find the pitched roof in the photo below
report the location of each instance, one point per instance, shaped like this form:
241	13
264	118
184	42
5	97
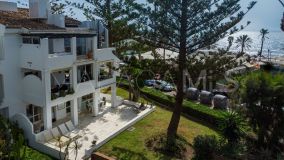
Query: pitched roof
20	19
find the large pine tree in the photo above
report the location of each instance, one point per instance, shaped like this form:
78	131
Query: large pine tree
185	26
119	16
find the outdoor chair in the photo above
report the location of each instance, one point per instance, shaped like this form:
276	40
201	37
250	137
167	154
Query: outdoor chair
60	140
67	133
71	127
49	139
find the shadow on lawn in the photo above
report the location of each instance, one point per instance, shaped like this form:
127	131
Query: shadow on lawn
124	154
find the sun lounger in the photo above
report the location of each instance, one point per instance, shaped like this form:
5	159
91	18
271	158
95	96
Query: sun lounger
60	140
71	127
67	133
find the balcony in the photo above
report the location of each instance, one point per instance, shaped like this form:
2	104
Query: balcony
106	74
84	49
60	55
46	53
61	85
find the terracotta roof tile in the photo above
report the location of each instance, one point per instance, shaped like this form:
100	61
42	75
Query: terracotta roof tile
20	19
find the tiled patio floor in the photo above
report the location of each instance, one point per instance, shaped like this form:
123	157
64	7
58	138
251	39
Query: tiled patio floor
104	127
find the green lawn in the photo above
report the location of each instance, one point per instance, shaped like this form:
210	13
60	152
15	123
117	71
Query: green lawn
131	144
32	154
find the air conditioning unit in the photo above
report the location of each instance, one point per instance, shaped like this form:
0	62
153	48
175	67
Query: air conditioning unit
39	9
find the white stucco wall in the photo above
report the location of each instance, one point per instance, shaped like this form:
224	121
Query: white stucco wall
58	45
60	111
33	91
11	71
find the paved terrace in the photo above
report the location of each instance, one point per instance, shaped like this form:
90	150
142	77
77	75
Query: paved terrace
104	127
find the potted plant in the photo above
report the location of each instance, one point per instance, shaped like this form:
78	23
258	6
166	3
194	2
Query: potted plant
62	93
89	54
53	96
71	91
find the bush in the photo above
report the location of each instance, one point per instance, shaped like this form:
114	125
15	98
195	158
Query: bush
198	111
205	147
233	128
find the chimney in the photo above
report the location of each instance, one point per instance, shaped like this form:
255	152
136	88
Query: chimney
39	9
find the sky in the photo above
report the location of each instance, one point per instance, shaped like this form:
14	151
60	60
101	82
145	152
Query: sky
266	14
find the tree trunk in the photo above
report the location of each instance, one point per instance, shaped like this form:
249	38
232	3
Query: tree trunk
261	47
109	22
173	126
164	55
243	47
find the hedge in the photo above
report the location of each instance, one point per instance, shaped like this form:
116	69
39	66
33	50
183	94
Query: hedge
199	111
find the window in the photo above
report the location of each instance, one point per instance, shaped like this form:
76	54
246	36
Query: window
81	46
85	73
68	107
34	113
31	40
67	44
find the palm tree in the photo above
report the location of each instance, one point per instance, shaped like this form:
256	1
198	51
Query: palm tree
244	42
230	42
263	33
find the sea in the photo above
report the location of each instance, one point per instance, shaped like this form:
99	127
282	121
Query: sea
274	43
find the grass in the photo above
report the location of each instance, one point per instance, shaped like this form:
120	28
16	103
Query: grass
131	144
32	154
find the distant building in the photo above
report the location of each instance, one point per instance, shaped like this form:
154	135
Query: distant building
159	53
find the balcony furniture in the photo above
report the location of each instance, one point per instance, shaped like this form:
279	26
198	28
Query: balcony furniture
67	133
64	87
71	127
135	105
55	89
55	141
62	140
104	100
192	94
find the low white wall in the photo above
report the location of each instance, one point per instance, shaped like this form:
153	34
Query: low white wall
27	127
60	111
32	56
105	54
106	82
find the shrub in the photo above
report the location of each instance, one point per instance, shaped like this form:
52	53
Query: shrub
198	111
233	128
205	147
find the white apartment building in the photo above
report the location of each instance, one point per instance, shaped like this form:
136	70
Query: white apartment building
52	67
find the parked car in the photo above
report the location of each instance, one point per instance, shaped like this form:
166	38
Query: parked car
168	87
158	84
164	86
221	92
150	82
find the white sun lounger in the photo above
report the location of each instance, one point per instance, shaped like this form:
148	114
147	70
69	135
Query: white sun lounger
71	127
67	133
62	140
